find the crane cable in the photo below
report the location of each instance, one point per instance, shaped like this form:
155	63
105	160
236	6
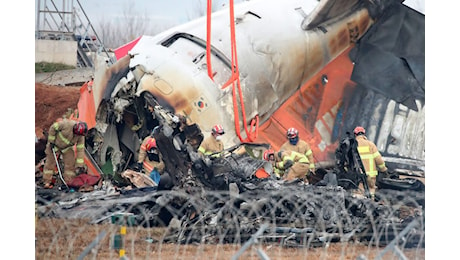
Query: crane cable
234	79
208	39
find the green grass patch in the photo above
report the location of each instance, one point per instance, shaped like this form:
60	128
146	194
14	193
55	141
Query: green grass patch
41	67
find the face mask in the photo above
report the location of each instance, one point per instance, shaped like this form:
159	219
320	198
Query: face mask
294	140
219	138
153	156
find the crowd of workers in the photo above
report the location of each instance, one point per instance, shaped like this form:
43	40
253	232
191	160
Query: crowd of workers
294	160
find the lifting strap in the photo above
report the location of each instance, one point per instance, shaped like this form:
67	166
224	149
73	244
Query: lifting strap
234	80
208	39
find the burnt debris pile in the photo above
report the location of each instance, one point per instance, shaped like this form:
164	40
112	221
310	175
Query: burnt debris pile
223	200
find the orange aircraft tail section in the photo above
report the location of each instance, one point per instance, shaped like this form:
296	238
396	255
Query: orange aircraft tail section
87	113
86	107
313	110
93	167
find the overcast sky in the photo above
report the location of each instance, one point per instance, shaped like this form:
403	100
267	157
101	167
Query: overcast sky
175	11
168	12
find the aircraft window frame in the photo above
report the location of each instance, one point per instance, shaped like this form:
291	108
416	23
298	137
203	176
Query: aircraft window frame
218	58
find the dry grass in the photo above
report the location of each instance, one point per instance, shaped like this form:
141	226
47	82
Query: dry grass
67	239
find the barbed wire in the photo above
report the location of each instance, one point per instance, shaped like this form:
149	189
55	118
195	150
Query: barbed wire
292	221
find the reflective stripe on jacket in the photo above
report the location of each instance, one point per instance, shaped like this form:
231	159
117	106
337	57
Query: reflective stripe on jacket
293	156
301	147
370	156
61	134
144	159
211	145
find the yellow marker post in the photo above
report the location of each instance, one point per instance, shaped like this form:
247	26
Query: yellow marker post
122	233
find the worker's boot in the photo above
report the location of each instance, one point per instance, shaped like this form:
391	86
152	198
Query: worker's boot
48	185
48	179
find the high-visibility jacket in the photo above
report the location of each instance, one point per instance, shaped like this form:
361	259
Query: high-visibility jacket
67	144
370	156
211	145
147	164
62	135
300	167
301	147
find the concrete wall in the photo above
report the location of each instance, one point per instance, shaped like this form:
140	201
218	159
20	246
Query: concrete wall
56	51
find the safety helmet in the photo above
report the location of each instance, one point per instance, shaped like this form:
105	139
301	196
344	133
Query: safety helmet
218	129
292	133
359	129
80	128
267	154
151	144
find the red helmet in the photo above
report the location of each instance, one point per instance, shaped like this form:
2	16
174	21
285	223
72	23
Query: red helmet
218	129
359	129
292	133
151	143
267	154
80	128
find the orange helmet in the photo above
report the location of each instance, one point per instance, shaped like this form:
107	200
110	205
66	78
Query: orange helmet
359	129
267	154
151	144
292	133
80	128
218	129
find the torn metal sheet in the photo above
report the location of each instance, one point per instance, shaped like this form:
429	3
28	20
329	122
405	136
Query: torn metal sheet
289	77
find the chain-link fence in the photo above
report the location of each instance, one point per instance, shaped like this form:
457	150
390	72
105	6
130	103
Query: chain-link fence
279	221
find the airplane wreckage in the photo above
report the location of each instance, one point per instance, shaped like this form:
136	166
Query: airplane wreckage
322	67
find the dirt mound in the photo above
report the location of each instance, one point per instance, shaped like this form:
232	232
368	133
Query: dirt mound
51	103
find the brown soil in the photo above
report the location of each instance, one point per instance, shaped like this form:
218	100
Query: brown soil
51	103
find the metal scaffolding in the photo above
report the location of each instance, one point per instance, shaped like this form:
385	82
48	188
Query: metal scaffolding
66	20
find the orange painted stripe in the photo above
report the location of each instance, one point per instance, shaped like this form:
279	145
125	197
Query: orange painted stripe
313	103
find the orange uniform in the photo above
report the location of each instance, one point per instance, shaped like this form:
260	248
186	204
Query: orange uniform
303	148
300	167
370	156
147	164
62	135
212	144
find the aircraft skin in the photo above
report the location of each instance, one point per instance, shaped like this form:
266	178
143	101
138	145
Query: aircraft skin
284	51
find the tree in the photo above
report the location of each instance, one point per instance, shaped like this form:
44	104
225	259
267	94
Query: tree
132	24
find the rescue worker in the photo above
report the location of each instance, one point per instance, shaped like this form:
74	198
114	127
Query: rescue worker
269	155
213	143
297	145
63	136
370	156
150	159
294	164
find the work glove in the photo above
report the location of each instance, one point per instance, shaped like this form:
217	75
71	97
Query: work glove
288	164
137	167
215	156
384	174
392	174
80	170
52	145
280	154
